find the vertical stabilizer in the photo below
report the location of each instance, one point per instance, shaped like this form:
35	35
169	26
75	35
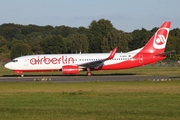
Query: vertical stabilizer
158	41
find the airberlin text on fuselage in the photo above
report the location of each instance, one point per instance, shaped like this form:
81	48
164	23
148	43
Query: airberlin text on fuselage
54	60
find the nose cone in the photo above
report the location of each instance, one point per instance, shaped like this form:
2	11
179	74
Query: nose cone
8	65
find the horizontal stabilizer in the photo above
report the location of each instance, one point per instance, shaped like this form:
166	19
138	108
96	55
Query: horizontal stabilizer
165	53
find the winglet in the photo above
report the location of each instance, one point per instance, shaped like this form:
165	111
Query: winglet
113	52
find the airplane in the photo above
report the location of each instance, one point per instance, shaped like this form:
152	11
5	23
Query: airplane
153	51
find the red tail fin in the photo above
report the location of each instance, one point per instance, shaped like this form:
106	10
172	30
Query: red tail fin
158	41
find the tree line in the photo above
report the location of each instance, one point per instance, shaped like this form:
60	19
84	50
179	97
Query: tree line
100	36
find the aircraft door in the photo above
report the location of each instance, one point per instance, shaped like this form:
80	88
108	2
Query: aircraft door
26	62
140	58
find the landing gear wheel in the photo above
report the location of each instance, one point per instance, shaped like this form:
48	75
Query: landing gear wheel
22	75
89	74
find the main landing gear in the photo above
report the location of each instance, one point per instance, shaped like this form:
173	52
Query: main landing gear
88	72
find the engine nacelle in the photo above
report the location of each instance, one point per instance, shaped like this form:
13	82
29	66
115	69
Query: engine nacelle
70	69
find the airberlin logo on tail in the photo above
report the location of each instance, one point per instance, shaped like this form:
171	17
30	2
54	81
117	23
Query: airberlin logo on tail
160	38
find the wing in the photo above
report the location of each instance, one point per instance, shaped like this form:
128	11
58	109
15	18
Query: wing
98	63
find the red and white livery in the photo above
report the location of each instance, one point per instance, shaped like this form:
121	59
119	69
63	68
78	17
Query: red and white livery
152	52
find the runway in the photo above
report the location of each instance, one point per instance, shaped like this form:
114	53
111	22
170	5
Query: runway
72	79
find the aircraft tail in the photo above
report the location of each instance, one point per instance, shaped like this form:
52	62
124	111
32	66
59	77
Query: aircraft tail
158	41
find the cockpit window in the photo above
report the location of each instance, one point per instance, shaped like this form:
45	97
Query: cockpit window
14	60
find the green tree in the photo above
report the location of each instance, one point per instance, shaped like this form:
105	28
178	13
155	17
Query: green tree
65	30
125	38
20	49
105	45
53	44
173	44
35	45
4	41
77	42
114	39
140	38
81	30
9	31
4	52
175	32
96	32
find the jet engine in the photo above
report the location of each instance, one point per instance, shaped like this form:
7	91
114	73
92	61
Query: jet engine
70	69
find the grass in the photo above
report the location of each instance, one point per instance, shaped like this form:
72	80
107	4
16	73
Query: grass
97	100
94	100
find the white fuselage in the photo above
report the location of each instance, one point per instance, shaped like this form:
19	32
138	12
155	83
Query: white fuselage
56	61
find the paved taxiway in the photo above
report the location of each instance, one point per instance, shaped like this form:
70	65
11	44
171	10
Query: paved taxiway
67	79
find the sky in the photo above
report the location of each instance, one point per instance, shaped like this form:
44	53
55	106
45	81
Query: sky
126	15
